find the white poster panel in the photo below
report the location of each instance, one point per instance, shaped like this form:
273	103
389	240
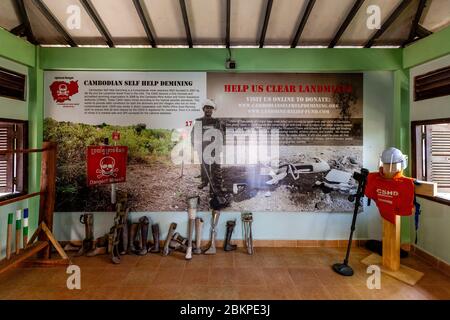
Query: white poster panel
162	100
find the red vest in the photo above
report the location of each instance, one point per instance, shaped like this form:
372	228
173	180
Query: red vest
393	196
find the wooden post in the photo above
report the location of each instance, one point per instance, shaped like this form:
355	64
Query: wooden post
48	187
391	244
18	229
9	235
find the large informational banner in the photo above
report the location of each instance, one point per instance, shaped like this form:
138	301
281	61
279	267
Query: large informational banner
269	142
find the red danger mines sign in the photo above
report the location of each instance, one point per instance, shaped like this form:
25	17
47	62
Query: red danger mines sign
106	164
116	135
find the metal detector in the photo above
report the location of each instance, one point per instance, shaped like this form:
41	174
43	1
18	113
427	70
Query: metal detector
343	268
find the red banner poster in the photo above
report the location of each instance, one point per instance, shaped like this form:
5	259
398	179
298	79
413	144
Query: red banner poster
106	164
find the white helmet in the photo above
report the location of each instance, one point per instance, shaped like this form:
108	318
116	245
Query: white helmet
393	155
209	102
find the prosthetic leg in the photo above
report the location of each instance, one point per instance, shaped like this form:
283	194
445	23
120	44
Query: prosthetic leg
214	221
88	242
118	234
247	219
192	212
227	246
155	233
143	223
179	243
198	235
100	247
177	246
169	237
124	233
132	237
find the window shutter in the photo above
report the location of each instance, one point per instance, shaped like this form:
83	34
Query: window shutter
21	159
432	84
12	84
6	160
440	157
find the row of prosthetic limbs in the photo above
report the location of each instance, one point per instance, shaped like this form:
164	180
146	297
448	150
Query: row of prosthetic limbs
175	242
132	238
124	237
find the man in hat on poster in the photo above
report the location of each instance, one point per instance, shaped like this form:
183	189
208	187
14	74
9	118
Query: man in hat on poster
210	171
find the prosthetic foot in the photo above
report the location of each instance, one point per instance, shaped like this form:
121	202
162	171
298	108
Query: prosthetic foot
71	247
101	247
227	246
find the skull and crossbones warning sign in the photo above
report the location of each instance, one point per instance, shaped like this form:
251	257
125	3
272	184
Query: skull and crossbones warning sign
106	164
107	168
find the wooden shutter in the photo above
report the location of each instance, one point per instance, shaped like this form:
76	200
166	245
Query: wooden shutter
440	156
21	160
7	160
432	84
12	84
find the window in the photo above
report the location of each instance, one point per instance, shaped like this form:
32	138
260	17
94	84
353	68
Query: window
431	153
12	84
13	166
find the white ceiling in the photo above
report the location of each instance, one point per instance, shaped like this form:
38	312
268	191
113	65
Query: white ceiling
207	22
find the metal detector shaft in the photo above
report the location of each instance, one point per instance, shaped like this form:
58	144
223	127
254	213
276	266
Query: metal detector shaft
362	179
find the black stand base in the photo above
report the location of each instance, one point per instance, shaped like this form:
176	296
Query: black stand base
343	269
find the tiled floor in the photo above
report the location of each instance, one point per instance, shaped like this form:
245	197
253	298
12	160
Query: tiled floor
271	273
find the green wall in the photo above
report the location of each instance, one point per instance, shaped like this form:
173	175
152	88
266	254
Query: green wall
248	60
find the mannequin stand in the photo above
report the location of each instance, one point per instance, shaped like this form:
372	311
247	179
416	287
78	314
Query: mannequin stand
389	263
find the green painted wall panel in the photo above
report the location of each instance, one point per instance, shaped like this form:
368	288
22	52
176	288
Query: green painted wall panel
258	60
36	121
16	49
429	48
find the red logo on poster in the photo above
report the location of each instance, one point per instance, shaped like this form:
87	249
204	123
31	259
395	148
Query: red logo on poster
116	135
106	164
62	91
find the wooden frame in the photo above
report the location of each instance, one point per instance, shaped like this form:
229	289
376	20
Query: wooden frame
47	201
414	167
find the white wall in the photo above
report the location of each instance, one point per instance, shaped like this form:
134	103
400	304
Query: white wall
434	227
378	104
